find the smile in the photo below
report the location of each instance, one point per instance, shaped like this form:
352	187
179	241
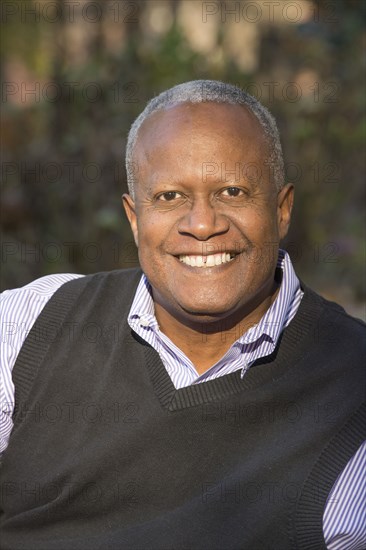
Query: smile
211	260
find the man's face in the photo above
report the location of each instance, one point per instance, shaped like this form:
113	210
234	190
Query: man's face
207	219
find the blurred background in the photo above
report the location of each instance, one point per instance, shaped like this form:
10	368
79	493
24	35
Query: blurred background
75	74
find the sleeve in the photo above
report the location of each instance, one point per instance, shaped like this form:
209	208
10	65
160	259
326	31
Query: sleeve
19	309
344	521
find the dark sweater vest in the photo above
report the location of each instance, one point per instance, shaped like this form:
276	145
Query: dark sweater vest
106	454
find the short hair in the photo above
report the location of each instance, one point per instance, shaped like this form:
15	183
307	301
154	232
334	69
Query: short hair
203	91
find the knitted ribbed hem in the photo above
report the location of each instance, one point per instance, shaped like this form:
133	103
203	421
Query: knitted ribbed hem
43	333
306	529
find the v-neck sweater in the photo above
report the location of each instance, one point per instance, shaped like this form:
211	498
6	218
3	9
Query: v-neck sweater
125	460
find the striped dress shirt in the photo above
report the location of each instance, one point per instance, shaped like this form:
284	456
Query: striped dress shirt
344	515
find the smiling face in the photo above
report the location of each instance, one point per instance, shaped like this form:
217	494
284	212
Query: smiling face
206	218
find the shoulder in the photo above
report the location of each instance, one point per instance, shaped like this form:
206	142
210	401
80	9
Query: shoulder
336	311
43	286
334	325
29	300
38	291
117	283
24	304
20	307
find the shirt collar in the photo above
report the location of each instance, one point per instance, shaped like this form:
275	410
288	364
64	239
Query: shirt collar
142	310
272	323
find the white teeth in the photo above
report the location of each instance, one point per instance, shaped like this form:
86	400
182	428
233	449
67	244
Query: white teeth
206	261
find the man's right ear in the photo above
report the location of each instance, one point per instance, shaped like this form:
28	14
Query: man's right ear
129	206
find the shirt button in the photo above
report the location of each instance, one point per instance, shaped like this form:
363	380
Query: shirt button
144	321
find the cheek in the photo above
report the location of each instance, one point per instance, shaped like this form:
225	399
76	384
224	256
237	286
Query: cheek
155	229
151	238
260	232
257	224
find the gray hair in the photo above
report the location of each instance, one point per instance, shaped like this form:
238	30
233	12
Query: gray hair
201	91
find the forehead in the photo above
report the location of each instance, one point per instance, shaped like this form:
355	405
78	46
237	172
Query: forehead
200	123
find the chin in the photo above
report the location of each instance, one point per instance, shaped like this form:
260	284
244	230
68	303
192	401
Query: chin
205	312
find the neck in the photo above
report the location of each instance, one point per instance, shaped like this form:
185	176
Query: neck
204	342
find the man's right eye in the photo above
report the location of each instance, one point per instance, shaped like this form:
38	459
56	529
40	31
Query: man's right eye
169	196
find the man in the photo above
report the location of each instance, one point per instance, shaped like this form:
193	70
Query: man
207	402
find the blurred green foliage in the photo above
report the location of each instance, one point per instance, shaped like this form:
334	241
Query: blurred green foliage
93	71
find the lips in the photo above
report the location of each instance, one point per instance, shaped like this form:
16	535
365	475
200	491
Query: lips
209	260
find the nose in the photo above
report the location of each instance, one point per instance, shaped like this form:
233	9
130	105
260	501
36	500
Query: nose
203	221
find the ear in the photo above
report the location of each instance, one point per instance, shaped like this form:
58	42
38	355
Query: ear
285	201
130	209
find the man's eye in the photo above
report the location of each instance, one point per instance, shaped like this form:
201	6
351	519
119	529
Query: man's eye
232	192
169	196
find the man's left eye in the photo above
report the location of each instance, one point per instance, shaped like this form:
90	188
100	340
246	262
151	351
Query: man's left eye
232	192
169	196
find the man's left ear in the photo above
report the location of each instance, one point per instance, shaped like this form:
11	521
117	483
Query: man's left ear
285	201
